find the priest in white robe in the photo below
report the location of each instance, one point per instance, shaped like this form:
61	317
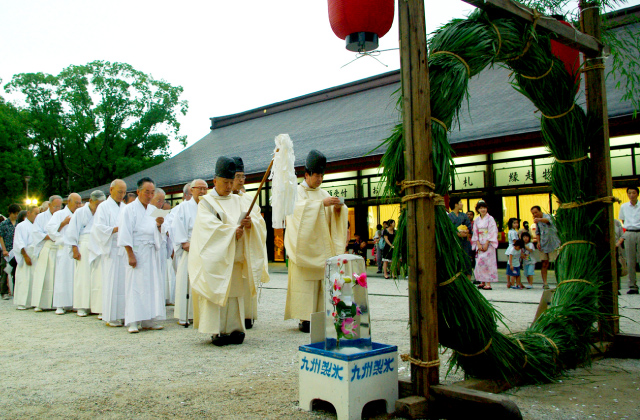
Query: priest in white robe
259	228
25	257
316	231
170	283
65	264
166	248
139	234
46	250
77	237
181	229
111	259
222	260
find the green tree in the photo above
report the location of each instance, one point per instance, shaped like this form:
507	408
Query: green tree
99	121
16	159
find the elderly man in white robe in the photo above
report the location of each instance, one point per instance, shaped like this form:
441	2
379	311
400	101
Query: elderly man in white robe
316	231
65	264
112	261
139	234
251	302
166	247
222	248
46	251
170	282
78	236
25	257
181	228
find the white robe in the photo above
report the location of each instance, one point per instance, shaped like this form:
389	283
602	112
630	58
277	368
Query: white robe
144	284
314	234
260	226
220	267
112	262
23	239
78	234
44	272
181	227
65	265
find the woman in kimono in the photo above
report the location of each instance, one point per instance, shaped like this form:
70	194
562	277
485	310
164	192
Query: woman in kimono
485	242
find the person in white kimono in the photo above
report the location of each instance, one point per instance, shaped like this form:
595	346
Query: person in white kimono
78	236
166	247
251	302
170	281
46	250
316	231
65	264
139	234
181	228
222	248
111	258
25	257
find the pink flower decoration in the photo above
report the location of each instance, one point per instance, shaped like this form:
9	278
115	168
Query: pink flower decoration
341	271
361	280
358	310
348	326
334	314
336	300
344	261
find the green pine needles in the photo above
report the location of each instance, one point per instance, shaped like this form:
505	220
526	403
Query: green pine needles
468	323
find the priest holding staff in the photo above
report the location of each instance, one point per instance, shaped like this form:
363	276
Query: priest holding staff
181	228
46	250
224	257
112	258
78	236
316	231
139	234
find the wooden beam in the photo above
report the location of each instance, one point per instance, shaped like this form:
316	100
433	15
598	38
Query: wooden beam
601	165
421	240
453	402
566	35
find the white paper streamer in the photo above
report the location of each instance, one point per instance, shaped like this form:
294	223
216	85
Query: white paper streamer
284	183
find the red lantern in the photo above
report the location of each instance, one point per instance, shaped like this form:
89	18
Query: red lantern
569	56
361	22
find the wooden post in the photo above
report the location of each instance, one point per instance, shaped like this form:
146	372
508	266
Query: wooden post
423	314
601	164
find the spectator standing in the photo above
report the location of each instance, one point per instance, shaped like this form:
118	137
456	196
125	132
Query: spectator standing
630	216
7	230
458	218
485	242
472	253
528	261
548	241
388	235
525	228
512	237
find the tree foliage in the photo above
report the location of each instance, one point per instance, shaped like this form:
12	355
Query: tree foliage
96	122
16	158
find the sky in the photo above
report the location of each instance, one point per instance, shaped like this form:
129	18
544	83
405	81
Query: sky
229	56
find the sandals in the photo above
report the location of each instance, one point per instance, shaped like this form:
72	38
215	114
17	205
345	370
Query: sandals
487	288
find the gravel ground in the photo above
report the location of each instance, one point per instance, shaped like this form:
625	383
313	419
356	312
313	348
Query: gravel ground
71	367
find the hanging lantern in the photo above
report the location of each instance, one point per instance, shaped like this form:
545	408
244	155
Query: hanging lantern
569	56
361	22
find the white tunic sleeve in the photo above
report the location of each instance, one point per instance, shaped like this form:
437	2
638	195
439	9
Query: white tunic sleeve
72	233
125	226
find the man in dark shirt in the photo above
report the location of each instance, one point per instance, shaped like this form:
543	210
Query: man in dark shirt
459	218
7	229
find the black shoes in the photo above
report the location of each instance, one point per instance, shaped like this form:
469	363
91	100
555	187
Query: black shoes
236	337
304	326
632	292
248	324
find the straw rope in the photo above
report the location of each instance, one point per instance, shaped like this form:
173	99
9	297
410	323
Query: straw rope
499	37
438	199
478	352
550	341
536	16
572	160
575	281
594	67
441	123
456	56
526	358
560	115
575	242
432	363
451	280
539	77
408	184
607	200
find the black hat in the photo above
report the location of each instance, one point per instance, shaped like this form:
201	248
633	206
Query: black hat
225	168
316	162
239	163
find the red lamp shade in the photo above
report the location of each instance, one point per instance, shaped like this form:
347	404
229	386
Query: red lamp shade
361	22
569	56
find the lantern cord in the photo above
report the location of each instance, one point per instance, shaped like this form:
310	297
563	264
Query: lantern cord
371	54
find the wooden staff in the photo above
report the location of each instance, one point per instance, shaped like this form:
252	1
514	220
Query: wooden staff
264	179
